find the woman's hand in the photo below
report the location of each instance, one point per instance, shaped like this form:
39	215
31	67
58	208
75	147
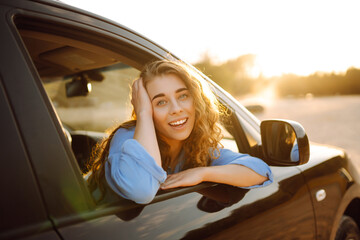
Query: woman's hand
140	99
189	177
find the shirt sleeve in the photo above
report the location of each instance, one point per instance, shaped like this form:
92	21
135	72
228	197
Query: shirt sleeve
257	165
130	170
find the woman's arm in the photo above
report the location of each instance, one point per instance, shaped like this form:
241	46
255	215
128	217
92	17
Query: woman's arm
130	171
231	168
145	130
232	174
133	169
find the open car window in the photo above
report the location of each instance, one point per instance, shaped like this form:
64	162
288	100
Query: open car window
86	80
88	118
106	105
88	86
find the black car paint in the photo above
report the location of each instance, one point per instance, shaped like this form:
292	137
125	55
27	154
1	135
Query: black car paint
48	199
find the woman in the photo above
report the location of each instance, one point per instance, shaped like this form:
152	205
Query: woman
172	141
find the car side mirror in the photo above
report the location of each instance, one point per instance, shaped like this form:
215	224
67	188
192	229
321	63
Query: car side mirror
284	143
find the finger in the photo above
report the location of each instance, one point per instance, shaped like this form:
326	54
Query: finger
172	178
171	183
134	90
166	184
137	83
174	184
141	83
141	88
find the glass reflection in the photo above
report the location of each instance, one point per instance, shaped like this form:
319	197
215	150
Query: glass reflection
281	143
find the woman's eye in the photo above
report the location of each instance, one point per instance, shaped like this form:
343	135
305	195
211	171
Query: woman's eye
161	102
183	96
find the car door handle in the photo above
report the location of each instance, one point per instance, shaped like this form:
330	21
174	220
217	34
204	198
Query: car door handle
320	195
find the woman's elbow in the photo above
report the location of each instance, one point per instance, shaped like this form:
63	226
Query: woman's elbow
142	196
142	192
254	179
260	179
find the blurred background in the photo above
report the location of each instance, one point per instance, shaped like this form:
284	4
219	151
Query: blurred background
296	60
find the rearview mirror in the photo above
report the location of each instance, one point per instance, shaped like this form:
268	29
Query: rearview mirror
79	86
284	143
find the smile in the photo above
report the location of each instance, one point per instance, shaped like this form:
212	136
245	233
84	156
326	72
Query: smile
178	122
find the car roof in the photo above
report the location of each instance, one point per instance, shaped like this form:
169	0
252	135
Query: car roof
65	6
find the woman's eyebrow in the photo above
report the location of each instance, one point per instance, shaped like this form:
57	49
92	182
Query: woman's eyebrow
158	95
163	95
181	89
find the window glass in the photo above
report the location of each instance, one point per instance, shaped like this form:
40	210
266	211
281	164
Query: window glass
105	106
88	84
228	140
250	132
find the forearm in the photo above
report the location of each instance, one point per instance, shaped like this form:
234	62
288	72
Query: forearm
232	174
145	134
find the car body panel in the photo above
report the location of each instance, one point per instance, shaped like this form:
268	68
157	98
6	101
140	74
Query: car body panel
18	183
334	178
250	214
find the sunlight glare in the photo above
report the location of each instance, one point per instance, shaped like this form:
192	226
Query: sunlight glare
265	96
300	37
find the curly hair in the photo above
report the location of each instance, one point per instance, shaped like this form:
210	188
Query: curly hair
200	147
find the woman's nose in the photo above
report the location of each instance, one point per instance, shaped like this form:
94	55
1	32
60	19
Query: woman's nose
175	107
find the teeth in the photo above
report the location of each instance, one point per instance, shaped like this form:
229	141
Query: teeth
178	122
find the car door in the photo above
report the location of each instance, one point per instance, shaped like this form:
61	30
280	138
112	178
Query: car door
22	208
207	210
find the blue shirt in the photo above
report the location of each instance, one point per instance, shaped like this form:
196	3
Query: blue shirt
133	174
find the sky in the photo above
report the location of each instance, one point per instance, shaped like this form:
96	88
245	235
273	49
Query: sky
287	36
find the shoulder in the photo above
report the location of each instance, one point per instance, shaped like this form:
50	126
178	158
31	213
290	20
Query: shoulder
124	133
121	135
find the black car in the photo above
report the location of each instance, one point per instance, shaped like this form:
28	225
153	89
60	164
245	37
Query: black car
64	80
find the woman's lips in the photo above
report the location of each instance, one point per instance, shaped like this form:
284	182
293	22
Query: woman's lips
178	123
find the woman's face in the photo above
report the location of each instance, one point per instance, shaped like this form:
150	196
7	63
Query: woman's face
173	107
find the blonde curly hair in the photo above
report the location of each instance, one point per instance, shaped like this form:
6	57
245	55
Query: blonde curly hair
200	147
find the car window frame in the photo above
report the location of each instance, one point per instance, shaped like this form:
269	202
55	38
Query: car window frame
51	110
48	182
65	217
155	55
